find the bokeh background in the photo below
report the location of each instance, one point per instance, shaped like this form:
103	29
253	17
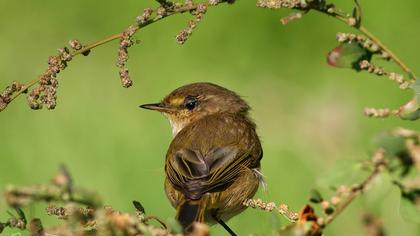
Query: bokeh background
309	115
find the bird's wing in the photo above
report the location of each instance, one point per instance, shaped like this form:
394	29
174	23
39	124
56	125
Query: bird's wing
195	174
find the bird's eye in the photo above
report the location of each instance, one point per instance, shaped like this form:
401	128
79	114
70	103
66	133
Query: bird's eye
190	102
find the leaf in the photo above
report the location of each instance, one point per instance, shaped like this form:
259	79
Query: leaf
348	55
315	196
139	207
393	145
173	225
411	110
345	172
21	214
396	153
409	212
409	203
416	88
379	189
357	13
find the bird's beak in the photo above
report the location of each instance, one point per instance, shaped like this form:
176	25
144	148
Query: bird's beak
156	107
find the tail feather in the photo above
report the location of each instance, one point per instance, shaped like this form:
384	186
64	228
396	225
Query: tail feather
189	212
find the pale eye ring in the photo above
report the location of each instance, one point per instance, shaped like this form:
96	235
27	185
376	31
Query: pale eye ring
190	102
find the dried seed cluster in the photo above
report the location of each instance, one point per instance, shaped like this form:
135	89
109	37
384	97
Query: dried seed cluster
369	67
15	222
126	41
276	4
351	21
75	44
343	192
398	78
66	212
5	96
183	36
377	112
294	16
364	42
145	17
46	91
61	212
214	2
283	209
404	84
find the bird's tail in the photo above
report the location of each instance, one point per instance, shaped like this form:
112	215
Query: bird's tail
190	211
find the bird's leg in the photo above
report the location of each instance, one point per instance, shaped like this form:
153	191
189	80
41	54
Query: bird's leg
224	225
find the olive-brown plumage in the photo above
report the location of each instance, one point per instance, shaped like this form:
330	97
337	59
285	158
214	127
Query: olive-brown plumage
212	164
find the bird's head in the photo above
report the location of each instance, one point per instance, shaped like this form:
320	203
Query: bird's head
195	101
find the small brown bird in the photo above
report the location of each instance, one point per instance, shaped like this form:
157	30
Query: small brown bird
213	162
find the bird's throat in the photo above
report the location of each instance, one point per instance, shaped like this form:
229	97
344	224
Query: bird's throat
176	124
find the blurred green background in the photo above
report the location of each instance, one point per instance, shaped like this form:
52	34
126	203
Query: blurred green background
309	115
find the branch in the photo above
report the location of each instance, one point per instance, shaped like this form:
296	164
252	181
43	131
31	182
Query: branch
45	93
379	165
396	150
354	23
356	51
62	190
344	197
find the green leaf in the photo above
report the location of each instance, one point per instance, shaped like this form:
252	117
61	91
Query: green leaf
357	13
348	55
139	206
173	225
392	145
416	88
315	196
410	203
379	189
409	212
345	172
411	110
21	214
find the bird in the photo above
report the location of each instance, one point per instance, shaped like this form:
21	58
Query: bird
213	162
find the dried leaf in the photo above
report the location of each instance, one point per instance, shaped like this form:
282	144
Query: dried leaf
307	217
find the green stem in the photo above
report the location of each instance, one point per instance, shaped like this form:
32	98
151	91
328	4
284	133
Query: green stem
393	56
374	39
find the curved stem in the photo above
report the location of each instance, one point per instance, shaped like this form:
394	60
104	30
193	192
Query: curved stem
88	47
374	39
387	50
75	53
